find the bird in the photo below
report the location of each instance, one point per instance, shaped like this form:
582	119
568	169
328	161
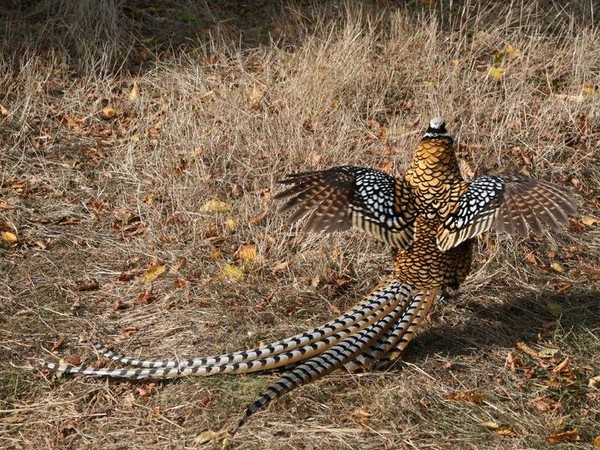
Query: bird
430	217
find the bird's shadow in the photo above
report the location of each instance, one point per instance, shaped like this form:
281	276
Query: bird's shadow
504	324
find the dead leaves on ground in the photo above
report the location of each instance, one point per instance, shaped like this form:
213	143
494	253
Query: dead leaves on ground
558	375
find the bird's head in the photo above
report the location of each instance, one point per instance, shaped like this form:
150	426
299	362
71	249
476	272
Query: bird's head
437	129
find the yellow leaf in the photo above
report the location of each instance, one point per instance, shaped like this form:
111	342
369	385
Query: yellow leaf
215	254
597	442
233	272
3	110
247	252
554	308
557	267
590	221
135	138
231	223
589	90
154	271
511	51
108	113
205	437
491	425
9	238
226	444
496	73
215	206
135	92
506	432
335	102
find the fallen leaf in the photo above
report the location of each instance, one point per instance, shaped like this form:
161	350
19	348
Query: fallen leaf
180	283
548	352
467	396
281	266
129	330
594	382
361	416
206	436
491	425
557	267
207	96
496	73
545	404
247	252
597	442
74	360
590	221
233	272
507	432
511	51
256	96
108	113
589	90
135	92
567	436
215	206
3	110
87	285
215	254
257	218
563	366
554	308
226	444
154	271
231	223
146	297
57	345
118	305
9	238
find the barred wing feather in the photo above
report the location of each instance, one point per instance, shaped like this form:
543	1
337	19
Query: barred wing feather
506	203
343	197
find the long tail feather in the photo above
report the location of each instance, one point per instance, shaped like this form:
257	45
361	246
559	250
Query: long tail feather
376	300
261	364
321	365
410	314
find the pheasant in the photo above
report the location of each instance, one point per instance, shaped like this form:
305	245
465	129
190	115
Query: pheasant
430	216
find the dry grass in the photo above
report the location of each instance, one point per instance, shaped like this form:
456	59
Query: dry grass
222	117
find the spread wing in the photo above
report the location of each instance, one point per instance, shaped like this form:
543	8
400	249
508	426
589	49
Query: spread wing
505	203
347	196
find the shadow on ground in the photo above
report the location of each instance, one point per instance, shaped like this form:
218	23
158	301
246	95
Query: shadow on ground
505	324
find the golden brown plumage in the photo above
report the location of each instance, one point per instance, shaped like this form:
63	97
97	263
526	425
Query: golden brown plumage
430	216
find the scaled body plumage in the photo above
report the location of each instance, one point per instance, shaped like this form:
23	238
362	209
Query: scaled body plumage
430	216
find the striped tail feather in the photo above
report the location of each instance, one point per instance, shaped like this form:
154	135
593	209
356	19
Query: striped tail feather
400	339
320	365
385	292
396	339
410	313
255	365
